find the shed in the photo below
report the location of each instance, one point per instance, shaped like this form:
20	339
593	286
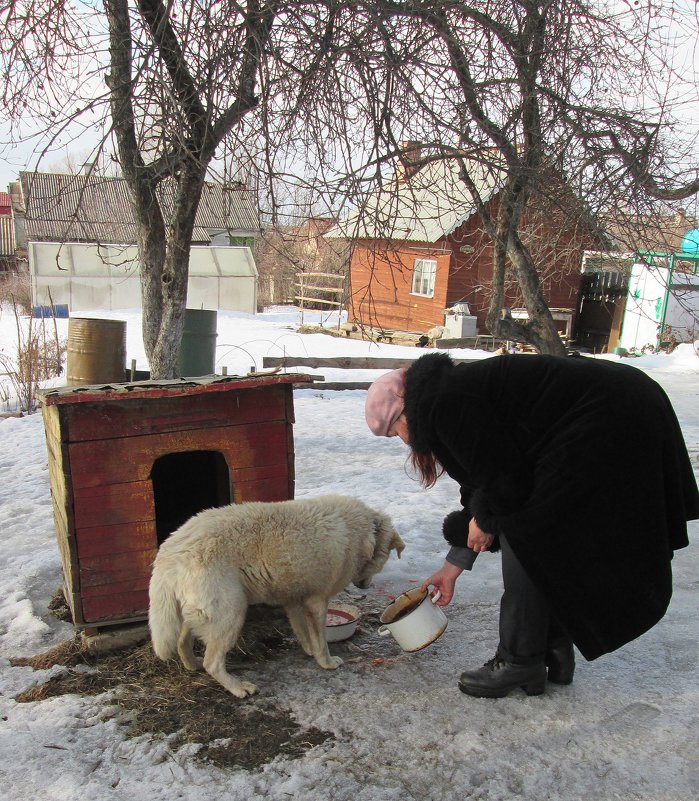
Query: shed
87	276
662	303
129	463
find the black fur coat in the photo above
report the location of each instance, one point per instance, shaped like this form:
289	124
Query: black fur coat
580	463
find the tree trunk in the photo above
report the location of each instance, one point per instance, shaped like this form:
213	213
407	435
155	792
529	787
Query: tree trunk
540	329
163	319
163	249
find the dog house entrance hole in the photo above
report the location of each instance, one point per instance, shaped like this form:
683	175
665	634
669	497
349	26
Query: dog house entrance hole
186	483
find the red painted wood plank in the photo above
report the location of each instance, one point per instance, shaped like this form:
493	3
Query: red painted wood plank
134	584
114	504
252	474
271	489
130	460
127	418
115	539
115	606
97	571
163	389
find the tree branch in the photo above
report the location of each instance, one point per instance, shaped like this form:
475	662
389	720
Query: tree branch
156	17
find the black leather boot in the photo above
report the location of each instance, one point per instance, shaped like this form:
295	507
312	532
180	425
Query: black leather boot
497	678
560	661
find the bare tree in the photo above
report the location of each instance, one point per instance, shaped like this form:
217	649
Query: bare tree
553	96
182	78
549	94
284	252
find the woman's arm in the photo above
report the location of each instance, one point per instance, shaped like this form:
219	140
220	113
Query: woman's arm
443	581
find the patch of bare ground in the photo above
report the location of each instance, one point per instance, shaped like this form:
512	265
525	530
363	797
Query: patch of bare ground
163	699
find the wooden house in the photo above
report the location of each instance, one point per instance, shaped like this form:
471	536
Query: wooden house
419	249
129	463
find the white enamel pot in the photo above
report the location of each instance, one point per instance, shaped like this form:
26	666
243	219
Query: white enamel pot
414	620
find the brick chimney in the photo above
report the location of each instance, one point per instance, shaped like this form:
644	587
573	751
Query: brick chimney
408	161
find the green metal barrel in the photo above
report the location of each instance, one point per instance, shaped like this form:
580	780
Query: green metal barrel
198	348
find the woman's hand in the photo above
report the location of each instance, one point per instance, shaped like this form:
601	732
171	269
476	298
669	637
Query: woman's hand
478	540
443	581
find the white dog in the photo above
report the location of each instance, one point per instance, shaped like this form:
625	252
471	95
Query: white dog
293	554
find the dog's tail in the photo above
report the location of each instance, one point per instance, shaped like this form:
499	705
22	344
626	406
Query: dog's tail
164	615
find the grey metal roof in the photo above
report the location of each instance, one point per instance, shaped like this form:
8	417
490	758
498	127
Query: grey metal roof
92	208
429	205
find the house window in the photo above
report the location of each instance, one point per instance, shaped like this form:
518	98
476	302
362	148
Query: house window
424	272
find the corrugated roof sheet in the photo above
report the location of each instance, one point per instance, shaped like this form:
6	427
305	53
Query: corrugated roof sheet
430	205
7	236
91	208
137	390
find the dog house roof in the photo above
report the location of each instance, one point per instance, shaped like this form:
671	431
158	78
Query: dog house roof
139	390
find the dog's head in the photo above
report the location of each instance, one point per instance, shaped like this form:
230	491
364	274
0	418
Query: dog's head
377	548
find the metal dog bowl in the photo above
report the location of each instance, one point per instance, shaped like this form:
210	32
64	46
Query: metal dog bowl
341	622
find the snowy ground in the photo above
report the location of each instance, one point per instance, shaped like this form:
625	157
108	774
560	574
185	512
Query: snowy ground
625	729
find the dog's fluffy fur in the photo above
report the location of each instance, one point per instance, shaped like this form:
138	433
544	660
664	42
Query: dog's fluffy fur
293	554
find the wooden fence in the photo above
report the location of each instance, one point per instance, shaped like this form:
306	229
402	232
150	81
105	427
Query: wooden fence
342	363
310	291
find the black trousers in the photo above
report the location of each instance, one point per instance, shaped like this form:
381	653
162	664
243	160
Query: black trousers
527	626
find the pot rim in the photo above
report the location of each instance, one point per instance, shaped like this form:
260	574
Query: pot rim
349	609
407	594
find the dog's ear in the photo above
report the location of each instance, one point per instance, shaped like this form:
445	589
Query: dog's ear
397	544
367	548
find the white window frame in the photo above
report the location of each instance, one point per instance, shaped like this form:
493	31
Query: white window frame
424	273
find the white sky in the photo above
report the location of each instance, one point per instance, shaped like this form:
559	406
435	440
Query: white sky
76	148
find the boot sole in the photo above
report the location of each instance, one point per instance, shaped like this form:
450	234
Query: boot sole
530	688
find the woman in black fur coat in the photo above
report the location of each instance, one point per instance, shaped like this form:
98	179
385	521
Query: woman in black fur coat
576	469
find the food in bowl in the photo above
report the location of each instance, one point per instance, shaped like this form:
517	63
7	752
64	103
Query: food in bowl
341	622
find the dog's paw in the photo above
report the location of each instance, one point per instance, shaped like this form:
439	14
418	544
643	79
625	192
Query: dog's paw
243	689
193	664
333	663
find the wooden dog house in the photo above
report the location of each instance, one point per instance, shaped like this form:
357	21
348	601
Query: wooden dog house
129	463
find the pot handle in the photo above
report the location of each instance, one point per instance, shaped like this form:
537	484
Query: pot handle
382	631
434	598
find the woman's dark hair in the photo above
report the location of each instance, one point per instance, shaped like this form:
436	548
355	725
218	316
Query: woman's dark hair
427	467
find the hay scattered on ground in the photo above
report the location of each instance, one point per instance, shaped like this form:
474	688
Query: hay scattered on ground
58	607
69	653
163	699
319	329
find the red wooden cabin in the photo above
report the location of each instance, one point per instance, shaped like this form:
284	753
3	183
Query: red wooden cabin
420	248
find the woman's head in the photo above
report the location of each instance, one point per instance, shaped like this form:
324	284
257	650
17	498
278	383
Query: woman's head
385	416
384	403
